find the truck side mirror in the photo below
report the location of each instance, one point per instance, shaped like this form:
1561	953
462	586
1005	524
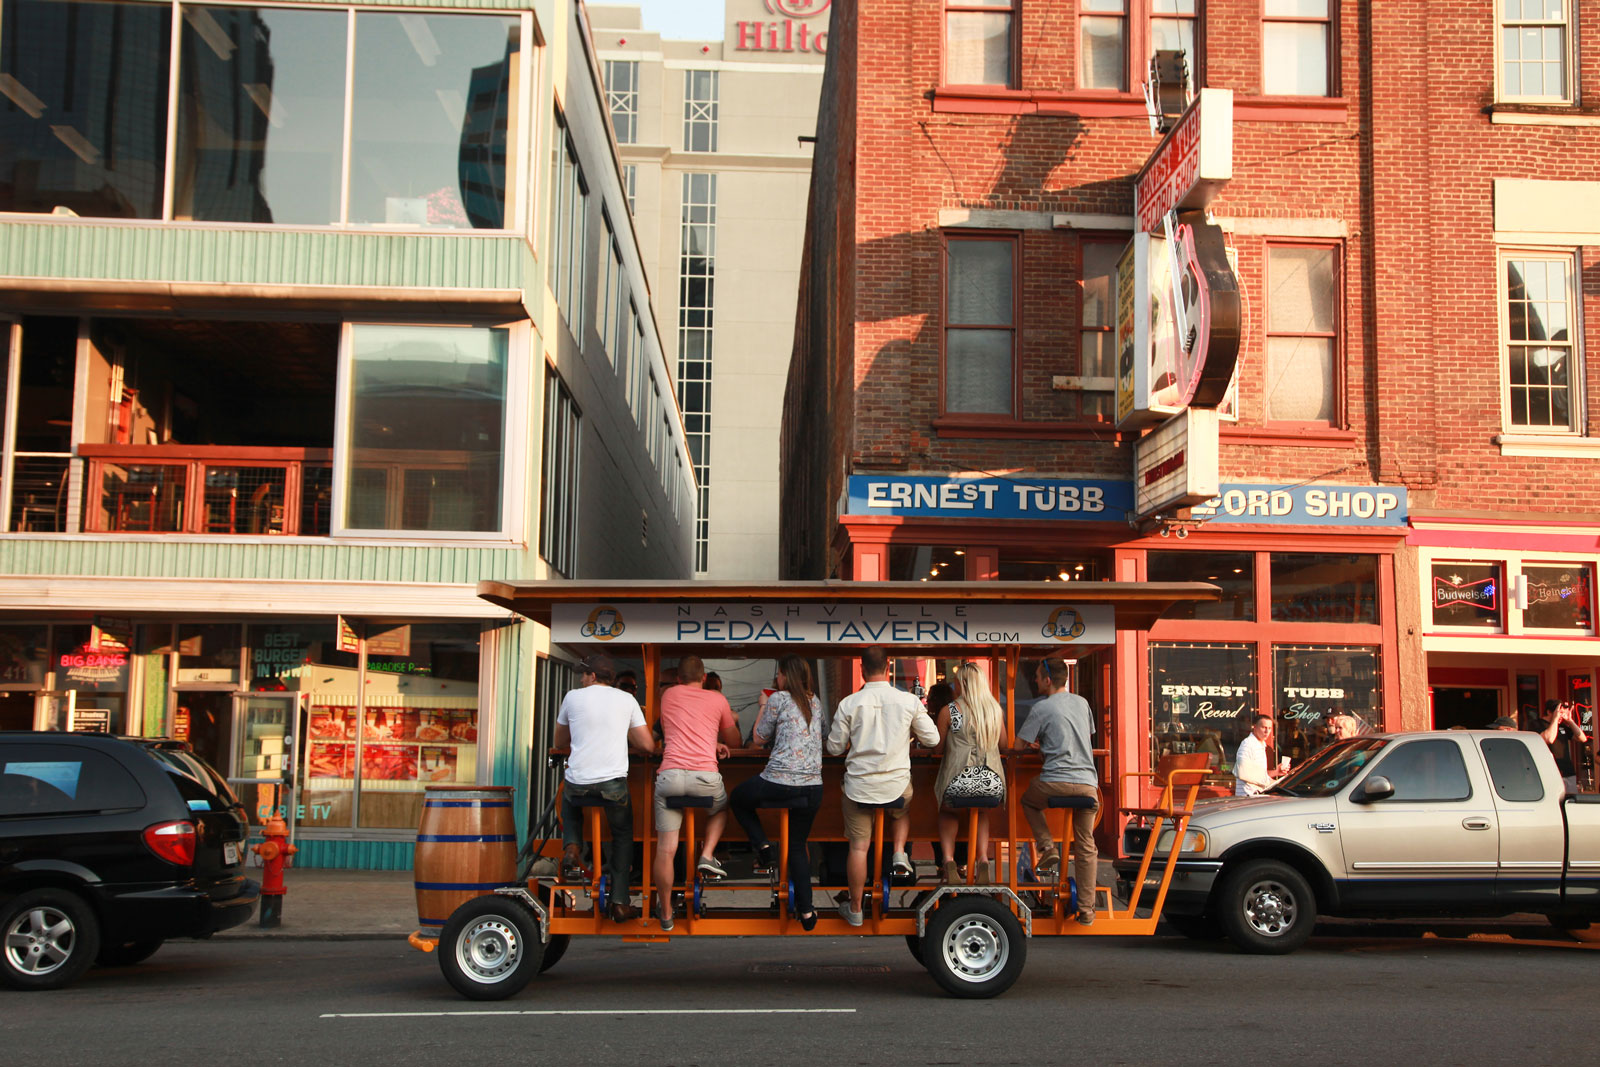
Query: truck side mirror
1375	788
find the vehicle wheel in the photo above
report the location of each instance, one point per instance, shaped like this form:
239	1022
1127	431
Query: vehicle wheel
490	948
1577	929
1266	907
914	943
48	937
1196	927
554	949
128	953
974	947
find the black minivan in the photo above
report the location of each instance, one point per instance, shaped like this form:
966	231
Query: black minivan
108	847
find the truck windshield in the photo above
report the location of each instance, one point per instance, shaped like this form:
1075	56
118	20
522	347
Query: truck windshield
1331	769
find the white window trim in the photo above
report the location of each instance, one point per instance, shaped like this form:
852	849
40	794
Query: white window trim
1525	436
1441	639
514	437
1568	97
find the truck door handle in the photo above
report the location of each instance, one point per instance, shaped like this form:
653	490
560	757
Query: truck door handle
1476	822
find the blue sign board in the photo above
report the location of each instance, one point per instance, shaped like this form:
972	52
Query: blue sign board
1056	499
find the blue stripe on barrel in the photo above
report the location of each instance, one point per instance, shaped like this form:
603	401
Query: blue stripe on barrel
466	803
465	838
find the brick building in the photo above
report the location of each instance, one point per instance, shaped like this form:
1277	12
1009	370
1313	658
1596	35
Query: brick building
1405	526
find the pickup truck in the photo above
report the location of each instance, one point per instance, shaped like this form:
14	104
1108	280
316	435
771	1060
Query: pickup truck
1446	823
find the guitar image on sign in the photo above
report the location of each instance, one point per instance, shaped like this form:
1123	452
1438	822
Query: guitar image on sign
1208	312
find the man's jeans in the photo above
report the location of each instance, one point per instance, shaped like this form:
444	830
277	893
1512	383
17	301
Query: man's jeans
619	815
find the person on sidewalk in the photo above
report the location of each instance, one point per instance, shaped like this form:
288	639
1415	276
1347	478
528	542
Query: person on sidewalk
697	729
598	724
875	725
1251	772
791	720
1060	726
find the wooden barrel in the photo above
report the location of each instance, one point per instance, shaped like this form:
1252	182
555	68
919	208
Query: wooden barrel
466	847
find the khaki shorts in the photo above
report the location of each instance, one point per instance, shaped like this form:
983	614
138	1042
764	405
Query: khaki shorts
858	819
675	783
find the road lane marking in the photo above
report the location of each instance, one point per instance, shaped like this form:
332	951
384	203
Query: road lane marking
590	1011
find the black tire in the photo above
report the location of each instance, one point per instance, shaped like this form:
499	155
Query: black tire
974	947
490	948
1577	929
1197	927
128	953
48	938
1266	907
914	943
554	949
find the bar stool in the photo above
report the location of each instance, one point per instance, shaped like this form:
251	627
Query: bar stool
974	806
882	903
687	804
1079	804
593	807
783	807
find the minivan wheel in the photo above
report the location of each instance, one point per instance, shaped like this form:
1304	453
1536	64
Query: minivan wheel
48	938
490	948
1266	907
128	953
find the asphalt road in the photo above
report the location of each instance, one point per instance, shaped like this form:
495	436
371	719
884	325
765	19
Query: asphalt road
827	1001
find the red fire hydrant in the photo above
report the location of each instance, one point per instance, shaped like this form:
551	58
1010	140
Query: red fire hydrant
275	852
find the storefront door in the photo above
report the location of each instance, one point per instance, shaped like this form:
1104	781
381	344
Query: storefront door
1472	707
263	767
205	719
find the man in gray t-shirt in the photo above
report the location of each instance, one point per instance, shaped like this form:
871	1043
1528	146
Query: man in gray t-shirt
1060	726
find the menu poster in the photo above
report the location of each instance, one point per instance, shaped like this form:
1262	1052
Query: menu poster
464	727
389	724
332	759
331	723
438	763
389	763
433	725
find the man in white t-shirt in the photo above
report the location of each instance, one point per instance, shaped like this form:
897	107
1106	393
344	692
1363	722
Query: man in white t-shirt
598	724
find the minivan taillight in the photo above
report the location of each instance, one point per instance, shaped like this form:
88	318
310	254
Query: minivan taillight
172	841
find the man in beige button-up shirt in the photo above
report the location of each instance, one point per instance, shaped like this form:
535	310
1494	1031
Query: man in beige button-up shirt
876	724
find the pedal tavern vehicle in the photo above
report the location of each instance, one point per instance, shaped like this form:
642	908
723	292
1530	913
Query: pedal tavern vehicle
497	919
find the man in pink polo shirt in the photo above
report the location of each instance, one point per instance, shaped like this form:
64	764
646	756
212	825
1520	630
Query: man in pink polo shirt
697	729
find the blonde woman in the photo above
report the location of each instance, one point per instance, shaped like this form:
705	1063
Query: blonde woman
969	733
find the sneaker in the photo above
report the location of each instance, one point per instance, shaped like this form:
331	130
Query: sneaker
949	874
572	868
1085	918
708	867
1049	864
848	915
664	918
982	876
900	866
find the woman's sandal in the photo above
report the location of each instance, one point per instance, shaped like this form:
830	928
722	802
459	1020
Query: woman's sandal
808	921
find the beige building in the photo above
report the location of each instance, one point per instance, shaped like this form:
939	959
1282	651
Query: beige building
709	135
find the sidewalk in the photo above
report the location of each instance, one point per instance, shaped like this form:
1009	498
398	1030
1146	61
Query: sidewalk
329	905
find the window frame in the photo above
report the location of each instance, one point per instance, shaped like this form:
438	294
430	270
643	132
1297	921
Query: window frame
1014	237
1569	94
1339	418
1587	567
623	101
1138	46
558	547
709	118
513	461
1577	414
1096	383
1331	85
1013	9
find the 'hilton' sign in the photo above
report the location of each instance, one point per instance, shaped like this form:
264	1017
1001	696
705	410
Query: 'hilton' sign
788	33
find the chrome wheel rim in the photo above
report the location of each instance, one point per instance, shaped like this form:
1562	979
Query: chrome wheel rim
975	948
1270	908
489	950
40	940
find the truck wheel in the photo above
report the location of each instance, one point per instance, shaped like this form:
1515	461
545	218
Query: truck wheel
48	938
1577	929
974	947
490	948
1266	907
1196	927
554	949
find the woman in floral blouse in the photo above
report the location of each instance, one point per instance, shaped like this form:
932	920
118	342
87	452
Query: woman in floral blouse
792	723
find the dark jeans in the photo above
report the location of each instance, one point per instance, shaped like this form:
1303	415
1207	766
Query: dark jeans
753	791
619	815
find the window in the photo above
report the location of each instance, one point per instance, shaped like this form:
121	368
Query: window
616	323
1097	335
424	440
57	779
1539	343
1296	48
1233	572
697	268
1302	334
552	680
569	220
1315	682
1467	596
1535	51
980	336
1103	44
979	46
1116	39
1172	28
558	491
1560	598
1202	698
1511	767
1425	771
622	97
1317	587
630	184
699	111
